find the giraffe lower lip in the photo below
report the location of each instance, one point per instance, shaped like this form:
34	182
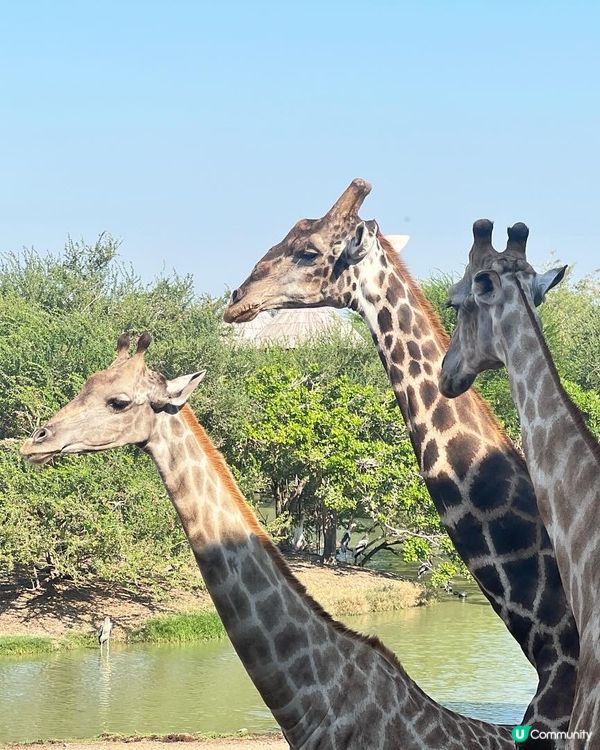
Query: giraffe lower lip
241	316
449	391
40	459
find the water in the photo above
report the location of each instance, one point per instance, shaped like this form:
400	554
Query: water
458	651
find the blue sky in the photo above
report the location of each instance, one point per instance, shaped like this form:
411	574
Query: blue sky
198	133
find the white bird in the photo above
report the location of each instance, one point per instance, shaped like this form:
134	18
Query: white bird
424	567
104	632
360	547
345	541
298	539
347	536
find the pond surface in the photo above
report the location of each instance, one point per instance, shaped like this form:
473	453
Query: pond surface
457	650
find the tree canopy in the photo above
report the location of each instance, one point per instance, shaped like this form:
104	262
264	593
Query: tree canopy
315	429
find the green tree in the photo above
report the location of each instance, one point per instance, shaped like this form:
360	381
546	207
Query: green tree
332	449
315	427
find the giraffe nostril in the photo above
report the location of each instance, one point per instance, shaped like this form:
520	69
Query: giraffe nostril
236	296
40	435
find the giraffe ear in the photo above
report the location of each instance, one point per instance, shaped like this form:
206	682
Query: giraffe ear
180	389
458	293
362	242
544	282
487	287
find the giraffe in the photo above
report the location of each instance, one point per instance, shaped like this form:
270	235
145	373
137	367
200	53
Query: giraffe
476	478
327	686
498	326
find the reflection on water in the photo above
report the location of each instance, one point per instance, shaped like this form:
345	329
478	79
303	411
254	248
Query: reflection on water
460	654
137	689
458	651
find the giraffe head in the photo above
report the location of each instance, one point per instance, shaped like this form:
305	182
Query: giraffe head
487	301
117	406
315	265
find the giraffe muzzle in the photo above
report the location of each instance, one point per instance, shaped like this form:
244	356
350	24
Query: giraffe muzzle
38	449
453	386
237	312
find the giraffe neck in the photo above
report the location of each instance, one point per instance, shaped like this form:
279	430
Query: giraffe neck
465	459
563	456
325	685
477	481
411	344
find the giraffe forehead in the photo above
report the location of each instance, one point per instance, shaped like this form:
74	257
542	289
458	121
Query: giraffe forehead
103	380
322	233
128	375
334	231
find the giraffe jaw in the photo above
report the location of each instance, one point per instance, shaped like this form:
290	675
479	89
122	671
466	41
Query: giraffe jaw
42	458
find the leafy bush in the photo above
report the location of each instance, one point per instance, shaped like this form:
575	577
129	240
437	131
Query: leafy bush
183	628
315	427
25	644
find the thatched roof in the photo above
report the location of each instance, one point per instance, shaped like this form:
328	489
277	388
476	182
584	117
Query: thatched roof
249	331
290	328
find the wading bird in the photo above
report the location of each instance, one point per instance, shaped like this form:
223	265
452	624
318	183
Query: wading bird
104	632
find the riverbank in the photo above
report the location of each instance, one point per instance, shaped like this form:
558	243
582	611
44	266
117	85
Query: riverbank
458	650
33	622
183	741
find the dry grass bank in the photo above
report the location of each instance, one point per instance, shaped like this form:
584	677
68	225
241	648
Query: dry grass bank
347	590
183	742
342	590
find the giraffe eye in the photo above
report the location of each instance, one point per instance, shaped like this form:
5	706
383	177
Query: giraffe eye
307	255
118	404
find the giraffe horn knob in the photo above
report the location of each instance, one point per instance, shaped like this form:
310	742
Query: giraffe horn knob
482	243
351	199
517	239
123	343
122	349
143	343
482	230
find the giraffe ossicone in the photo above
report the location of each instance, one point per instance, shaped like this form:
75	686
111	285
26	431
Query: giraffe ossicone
498	325
475	476
326	686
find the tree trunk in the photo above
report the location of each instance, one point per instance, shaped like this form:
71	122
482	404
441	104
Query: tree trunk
280	500
372	552
329	523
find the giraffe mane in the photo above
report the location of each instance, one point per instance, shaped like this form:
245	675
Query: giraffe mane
222	469
573	410
400	266
219	464
442	335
